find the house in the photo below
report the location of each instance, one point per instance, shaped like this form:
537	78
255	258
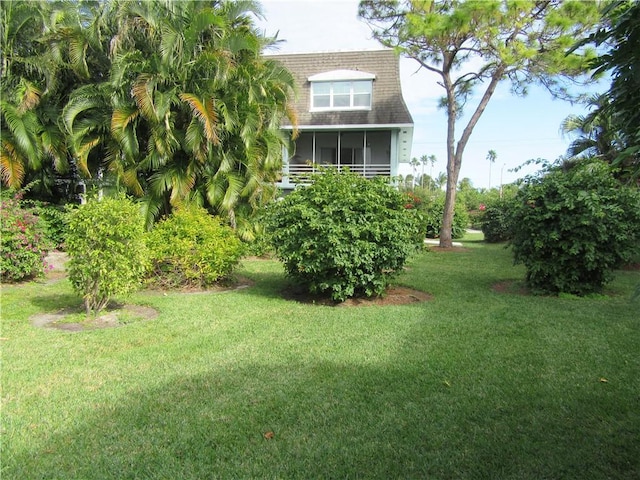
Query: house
350	113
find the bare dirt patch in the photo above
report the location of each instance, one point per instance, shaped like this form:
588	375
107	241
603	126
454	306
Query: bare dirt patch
514	287
395	295
631	267
75	320
229	285
437	249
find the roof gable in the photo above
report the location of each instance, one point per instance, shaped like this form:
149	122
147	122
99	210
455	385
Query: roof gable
381	66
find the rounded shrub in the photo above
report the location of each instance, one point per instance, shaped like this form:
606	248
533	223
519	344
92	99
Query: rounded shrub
343	235
496	221
107	252
433	211
24	244
191	248
573	227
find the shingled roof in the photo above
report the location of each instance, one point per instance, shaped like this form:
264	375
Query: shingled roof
388	106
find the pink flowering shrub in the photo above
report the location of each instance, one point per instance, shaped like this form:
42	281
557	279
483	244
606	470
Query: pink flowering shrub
24	246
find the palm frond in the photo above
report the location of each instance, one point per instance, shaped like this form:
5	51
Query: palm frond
205	112
171	44
142	94
12	165
130	179
29	95
81	101
54	145
24	128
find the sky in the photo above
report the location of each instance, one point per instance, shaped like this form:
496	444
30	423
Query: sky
517	129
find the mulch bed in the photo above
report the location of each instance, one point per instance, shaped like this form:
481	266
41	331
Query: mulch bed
395	295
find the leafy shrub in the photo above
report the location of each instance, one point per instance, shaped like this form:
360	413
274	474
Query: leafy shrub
433	212
55	220
343	235
24	245
572	228
476	218
107	253
192	248
496	221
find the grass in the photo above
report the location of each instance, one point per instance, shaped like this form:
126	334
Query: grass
473	384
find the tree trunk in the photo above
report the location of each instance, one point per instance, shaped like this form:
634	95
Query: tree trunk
454	156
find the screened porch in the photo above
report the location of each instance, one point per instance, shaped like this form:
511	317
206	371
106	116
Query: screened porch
365	152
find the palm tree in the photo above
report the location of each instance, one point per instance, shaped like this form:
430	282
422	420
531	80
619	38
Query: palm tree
424	159
48	51
20	148
194	109
414	168
597	135
491	156
440	181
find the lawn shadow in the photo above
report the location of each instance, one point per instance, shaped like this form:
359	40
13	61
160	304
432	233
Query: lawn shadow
287	421
54	302
313	420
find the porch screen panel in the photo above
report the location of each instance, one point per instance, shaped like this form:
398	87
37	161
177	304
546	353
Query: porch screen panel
304	149
380	143
351	149
326	148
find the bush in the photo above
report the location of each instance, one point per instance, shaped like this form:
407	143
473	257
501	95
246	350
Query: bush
344	235
572	228
55	220
496	221
107	253
24	245
433	212
192	248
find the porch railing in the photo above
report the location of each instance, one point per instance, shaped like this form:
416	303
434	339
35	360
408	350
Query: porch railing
301	173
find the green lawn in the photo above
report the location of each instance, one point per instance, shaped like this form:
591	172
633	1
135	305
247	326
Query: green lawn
473	384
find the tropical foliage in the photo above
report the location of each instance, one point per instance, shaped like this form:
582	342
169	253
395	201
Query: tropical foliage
619	37
170	100
596	134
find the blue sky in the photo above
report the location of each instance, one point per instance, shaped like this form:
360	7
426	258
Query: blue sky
517	129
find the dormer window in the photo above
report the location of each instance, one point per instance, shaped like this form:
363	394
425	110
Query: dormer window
341	90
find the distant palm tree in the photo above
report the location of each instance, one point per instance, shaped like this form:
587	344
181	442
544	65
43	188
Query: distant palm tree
424	159
491	156
414	167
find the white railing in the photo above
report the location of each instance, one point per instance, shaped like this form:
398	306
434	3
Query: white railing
301	173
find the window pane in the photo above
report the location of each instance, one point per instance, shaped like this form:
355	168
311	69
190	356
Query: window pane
362	86
341	88
342	100
362	100
321	88
321	101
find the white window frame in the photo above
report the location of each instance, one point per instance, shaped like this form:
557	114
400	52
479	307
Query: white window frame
333	93
335	78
